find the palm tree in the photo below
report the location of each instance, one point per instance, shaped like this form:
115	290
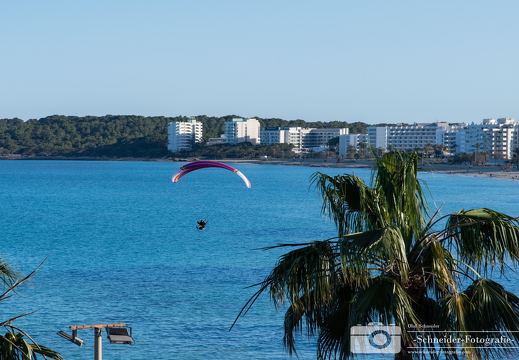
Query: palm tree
477	146
427	150
352	151
13	345
397	262
516	156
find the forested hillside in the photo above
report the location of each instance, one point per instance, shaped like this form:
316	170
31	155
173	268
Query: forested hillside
116	135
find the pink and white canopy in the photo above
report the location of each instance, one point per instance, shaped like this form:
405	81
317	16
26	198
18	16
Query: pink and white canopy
206	164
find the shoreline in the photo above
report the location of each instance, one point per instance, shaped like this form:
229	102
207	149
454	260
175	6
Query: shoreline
490	171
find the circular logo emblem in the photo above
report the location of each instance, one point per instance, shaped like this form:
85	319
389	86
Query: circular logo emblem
380	339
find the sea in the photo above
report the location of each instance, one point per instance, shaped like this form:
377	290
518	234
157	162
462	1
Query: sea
117	243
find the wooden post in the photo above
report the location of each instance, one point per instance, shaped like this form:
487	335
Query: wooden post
100	326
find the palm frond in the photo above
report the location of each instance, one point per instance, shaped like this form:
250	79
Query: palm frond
14	346
17	282
484	310
441	266
396	177
315	316
452	312
493	308
334	338
46	352
309	279
385	300
484	237
7	274
364	254
351	204
309	270
9	321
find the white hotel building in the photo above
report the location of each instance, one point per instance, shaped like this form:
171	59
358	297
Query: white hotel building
303	139
183	134
240	130
348	140
498	138
412	137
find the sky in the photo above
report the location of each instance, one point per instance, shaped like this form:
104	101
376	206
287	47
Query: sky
374	61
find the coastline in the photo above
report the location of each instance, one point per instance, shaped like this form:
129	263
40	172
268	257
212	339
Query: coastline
491	171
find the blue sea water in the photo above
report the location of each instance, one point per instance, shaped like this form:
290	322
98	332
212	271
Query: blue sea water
122	247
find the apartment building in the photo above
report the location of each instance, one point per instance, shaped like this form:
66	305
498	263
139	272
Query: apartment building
351	140
183	134
240	130
275	135
303	139
411	137
317	139
378	136
497	138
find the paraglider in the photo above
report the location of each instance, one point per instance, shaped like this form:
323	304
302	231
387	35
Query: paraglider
186	169
206	164
201	224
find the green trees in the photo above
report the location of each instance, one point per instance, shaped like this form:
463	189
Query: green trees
243	150
114	135
397	262
85	136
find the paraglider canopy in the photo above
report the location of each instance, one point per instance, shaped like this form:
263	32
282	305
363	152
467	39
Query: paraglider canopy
206	164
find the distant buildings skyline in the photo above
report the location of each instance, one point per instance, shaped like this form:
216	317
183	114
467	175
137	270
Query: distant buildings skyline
498	138
302	138
182	135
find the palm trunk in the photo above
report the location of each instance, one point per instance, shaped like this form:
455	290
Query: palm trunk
416	289
404	354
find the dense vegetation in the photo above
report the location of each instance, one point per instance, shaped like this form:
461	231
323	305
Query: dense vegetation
127	135
85	136
239	151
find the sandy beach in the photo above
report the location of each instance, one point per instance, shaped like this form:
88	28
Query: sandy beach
466	170
495	171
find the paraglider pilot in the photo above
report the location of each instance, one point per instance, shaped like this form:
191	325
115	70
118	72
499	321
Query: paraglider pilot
201	224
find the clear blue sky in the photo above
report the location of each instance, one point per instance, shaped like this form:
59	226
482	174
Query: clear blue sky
371	61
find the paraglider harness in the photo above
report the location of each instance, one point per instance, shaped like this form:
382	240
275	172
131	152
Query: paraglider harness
201	224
